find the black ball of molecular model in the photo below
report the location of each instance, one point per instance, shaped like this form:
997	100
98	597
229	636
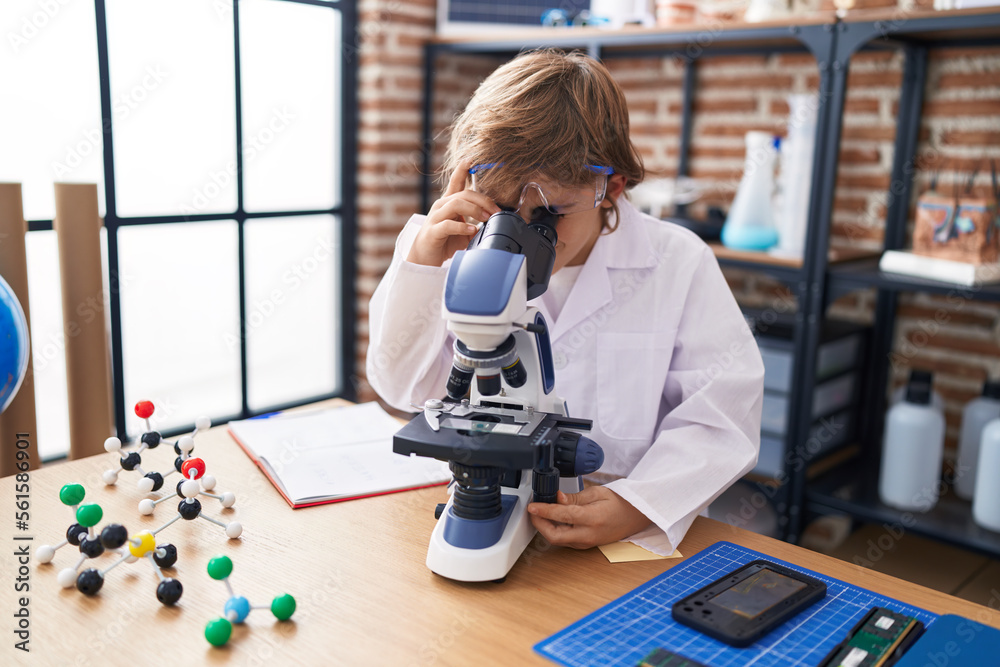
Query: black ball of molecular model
113	538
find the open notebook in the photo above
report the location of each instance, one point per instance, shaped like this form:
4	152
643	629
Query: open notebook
322	456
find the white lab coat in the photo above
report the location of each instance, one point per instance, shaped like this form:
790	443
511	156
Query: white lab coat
650	344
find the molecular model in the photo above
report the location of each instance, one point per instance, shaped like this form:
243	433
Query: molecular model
152	481
189	508
112	538
195	481
237	608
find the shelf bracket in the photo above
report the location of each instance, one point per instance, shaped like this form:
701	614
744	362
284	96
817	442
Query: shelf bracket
427	141
687	122
904	168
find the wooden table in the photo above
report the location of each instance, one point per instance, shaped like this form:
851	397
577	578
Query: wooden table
356	569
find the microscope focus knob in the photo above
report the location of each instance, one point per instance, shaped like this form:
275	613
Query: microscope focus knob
577	454
545	485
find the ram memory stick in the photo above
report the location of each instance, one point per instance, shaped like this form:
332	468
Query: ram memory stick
879	639
663	658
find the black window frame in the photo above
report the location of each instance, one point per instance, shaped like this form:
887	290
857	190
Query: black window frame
344	212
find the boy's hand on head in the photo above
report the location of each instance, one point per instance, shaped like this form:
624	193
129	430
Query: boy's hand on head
597	515
446	231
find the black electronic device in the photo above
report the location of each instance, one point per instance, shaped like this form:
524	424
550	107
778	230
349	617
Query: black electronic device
749	602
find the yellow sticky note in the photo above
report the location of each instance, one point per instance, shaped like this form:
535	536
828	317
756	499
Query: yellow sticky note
624	552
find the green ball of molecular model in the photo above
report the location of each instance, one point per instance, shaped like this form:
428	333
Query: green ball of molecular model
237	608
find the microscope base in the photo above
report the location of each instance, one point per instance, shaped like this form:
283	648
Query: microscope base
494	562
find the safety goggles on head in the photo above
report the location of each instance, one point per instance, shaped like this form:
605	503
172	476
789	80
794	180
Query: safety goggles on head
557	200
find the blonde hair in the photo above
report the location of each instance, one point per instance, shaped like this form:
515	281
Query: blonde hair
545	113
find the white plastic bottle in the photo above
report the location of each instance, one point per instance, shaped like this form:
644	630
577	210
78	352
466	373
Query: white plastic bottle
617	13
765	10
750	223
919	376
977	413
911	452
986	503
795	175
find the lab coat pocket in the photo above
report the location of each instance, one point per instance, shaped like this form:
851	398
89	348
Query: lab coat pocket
629	383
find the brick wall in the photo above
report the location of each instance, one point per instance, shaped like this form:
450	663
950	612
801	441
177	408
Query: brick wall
957	338
392	34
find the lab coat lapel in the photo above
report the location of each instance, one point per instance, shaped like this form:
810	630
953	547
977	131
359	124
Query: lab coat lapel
543	309
627	247
591	291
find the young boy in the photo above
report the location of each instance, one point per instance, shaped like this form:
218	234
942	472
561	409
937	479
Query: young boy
647	339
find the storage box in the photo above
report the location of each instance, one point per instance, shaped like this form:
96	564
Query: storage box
840	349
834	407
464	17
963	229
827	434
828	397
832	357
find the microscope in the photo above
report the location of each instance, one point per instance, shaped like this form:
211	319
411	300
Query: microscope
506	436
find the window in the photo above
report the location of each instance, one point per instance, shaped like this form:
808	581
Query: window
224	163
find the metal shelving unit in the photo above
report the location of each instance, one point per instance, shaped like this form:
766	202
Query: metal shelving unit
817	282
844	489
817	36
866	274
788	276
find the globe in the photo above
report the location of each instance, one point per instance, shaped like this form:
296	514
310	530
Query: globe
13	345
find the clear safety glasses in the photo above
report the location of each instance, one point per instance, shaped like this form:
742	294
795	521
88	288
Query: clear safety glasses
555	199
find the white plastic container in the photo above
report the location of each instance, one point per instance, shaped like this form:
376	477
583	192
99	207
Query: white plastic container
912	450
986	503
795	175
765	10
919	376
977	413
618	13
750	223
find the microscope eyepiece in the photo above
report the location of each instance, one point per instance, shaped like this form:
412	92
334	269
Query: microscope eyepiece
536	240
545	224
